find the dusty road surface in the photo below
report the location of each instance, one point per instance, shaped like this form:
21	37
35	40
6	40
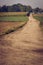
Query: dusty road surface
23	47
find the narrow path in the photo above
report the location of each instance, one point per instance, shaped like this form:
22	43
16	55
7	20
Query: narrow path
23	47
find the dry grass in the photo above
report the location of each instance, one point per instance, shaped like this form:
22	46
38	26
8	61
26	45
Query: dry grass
12	13
37	14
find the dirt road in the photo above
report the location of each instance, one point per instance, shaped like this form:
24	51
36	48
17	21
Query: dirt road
23	47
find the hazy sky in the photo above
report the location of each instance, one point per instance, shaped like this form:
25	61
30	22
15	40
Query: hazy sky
33	3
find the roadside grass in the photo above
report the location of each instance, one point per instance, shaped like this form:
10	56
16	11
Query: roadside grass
39	17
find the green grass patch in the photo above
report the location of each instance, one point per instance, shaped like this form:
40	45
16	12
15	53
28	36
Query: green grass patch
13	18
40	18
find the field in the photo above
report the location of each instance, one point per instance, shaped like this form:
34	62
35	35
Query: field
12	13
11	21
39	17
13	18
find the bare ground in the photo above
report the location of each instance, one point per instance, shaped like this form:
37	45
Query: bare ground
23	47
7	26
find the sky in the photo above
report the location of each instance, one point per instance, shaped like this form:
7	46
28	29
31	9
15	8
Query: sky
32	3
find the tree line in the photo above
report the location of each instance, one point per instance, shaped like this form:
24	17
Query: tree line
19	8
15	8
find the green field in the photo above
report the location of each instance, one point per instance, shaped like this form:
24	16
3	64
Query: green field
13	18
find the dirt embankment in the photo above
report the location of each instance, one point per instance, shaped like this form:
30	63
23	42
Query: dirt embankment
8	27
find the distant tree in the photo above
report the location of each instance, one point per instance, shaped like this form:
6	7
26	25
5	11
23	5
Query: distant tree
37	10
9	8
29	9
16	8
4	9
41	11
0	8
21	7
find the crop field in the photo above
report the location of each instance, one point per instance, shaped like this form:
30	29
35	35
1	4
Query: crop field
12	13
11	21
14	18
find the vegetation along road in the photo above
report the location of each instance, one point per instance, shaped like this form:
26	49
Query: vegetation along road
23	47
